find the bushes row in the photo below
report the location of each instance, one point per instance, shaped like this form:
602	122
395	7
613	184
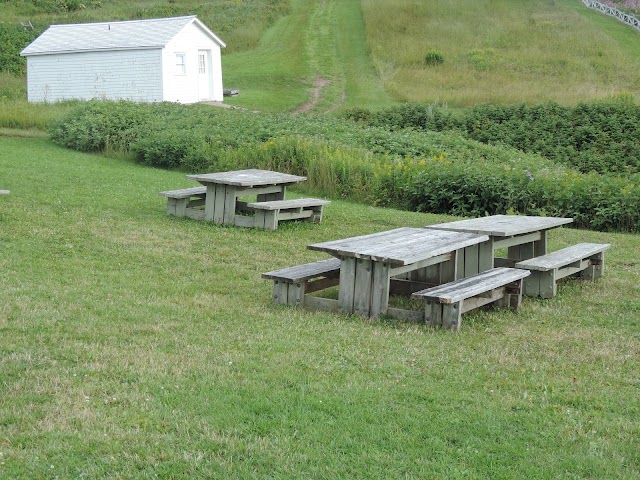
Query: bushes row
424	171
602	136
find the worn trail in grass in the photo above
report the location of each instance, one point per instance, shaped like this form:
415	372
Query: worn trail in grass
133	344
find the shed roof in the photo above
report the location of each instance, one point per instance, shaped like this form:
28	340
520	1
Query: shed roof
123	35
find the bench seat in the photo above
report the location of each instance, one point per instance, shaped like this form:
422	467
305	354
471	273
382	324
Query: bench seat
584	260
290	285
180	202
446	303
269	213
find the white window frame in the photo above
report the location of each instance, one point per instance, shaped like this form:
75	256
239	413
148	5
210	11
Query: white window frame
181	63
202	63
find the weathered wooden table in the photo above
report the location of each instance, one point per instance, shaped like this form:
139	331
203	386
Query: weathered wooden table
525	237
223	189
368	262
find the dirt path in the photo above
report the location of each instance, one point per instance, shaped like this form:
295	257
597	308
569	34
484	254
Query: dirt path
316	95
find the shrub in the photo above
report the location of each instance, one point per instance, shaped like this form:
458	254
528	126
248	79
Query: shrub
433	57
400	167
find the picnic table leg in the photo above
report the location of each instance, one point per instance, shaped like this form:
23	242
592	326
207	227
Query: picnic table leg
210	202
380	289
540	246
229	205
347	284
362	288
218	211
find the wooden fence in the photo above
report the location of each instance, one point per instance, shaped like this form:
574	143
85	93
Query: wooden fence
614	12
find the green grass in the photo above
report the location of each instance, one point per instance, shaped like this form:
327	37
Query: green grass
503	51
318	40
137	345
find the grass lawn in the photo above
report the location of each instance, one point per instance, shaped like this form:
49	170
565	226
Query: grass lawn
137	345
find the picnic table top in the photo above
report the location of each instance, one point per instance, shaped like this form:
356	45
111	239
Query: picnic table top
503	225
247	178
401	246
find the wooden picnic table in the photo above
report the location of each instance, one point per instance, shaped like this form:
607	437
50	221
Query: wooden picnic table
224	188
368	262
525	237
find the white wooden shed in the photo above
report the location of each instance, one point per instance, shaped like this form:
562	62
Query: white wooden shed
167	59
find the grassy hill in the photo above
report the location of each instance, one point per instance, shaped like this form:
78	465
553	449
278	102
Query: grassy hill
137	345
287	55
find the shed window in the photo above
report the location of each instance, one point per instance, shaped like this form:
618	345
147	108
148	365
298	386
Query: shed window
181	65
202	63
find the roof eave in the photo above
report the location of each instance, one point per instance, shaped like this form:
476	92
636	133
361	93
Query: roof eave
109	49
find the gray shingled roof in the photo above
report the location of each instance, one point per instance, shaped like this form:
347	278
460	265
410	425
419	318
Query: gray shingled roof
131	34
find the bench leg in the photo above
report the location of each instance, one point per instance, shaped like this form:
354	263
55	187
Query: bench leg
541	284
595	270
177	206
548	284
289	293
512	296
267	219
452	315
433	313
316	216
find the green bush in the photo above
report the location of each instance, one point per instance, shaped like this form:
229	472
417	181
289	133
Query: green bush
602	136
399	167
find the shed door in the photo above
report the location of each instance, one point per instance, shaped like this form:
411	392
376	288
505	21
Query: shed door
204	75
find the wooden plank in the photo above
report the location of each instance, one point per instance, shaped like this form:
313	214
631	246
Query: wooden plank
329	267
516	240
472	286
540	246
347	284
321	284
244	221
229	205
271	220
283	204
503	225
380	288
183	192
195	214
247	178
564	256
401	246
219	198
434	311
363	286
259	191
321	304
405	315
452	315
471	262
282	216
422	264
477	302
171	206
5	192
485	255
280	292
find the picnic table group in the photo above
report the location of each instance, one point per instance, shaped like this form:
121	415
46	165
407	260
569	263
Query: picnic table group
452	266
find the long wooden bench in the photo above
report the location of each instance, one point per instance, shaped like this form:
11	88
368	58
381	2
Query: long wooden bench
291	285
269	213
181	202
446	303
584	260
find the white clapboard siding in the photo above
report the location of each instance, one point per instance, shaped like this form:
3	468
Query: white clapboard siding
131	75
131	60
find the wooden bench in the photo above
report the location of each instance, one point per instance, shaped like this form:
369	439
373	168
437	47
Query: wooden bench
446	303
181	202
584	260
269	213
291	285
4	192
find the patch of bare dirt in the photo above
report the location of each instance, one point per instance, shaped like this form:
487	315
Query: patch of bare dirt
316	95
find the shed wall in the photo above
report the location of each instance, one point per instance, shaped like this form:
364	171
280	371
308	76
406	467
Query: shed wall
184	88
125	74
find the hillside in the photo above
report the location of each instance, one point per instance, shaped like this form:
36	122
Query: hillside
307	55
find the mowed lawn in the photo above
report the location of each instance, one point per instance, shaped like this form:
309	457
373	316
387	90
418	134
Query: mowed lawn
137	345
